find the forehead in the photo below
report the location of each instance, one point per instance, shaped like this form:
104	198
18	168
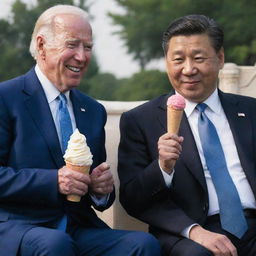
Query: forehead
72	26
192	42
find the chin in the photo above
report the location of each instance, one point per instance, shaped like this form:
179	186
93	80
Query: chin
73	83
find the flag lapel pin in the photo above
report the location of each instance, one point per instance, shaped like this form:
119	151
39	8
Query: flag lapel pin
241	114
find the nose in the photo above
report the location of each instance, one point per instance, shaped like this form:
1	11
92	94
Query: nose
81	54
189	68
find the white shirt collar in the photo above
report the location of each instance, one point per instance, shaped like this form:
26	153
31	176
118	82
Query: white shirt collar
213	102
50	90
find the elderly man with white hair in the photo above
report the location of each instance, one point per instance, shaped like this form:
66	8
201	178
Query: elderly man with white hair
38	113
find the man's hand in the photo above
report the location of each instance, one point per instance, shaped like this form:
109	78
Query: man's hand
72	182
169	148
102	182
218	244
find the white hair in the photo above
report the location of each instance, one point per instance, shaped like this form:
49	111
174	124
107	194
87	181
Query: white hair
44	24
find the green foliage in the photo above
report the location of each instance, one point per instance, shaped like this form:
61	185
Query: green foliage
103	86
93	70
144	85
144	21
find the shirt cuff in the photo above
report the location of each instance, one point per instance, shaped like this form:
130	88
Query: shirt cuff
102	201
167	177
186	231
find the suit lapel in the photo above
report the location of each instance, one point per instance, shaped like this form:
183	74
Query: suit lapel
81	112
38	107
239	117
162	116
189	156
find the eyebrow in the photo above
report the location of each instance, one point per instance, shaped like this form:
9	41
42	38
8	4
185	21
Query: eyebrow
72	40
195	51
75	40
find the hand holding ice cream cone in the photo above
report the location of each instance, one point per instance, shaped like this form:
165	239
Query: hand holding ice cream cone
78	157
169	144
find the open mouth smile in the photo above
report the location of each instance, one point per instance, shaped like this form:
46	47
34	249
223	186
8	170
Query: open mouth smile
74	69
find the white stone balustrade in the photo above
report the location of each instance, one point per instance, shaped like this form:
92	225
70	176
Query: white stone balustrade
233	79
238	79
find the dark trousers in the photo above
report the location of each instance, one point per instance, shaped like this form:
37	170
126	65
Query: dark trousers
88	242
246	246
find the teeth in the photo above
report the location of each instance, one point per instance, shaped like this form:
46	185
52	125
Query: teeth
73	69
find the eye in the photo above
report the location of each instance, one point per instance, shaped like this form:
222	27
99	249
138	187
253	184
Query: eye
177	60
200	59
87	47
71	45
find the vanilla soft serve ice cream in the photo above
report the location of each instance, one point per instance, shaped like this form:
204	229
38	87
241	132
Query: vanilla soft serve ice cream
78	157
78	152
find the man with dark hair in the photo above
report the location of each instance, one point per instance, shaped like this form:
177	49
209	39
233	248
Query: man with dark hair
196	190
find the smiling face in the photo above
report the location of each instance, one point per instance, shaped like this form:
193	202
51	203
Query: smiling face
193	66
65	57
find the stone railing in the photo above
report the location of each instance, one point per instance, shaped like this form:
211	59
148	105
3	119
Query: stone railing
233	78
238	79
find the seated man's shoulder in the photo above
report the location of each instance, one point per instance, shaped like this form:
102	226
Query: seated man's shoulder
151	105
147	112
11	83
88	101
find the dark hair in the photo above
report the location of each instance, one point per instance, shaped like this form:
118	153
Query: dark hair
194	25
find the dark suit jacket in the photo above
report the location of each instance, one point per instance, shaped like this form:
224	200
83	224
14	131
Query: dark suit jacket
30	156
143	192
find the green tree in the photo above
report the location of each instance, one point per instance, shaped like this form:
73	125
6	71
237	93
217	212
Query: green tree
144	85
144	21
102	86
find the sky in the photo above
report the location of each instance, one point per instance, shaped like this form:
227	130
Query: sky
109	49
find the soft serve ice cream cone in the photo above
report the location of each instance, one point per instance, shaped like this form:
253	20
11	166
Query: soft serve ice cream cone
78	157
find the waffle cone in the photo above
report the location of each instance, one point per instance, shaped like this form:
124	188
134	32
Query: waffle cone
83	169
174	117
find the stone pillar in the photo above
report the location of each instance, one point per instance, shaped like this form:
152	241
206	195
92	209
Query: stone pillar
229	78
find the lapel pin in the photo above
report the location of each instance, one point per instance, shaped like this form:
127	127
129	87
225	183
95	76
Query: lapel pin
241	114
82	109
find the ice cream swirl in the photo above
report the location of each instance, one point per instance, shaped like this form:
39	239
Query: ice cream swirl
78	152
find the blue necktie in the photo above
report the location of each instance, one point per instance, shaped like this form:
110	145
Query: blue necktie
64	122
66	131
231	213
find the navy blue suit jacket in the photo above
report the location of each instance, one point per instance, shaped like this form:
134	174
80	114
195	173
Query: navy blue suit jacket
30	156
143	191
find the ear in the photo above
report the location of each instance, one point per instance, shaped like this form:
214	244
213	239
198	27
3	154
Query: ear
221	57
40	43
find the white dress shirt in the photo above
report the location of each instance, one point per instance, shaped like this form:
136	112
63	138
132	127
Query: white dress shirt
52	93
217	116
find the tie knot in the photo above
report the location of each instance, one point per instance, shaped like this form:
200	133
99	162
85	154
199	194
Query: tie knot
201	107
63	98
